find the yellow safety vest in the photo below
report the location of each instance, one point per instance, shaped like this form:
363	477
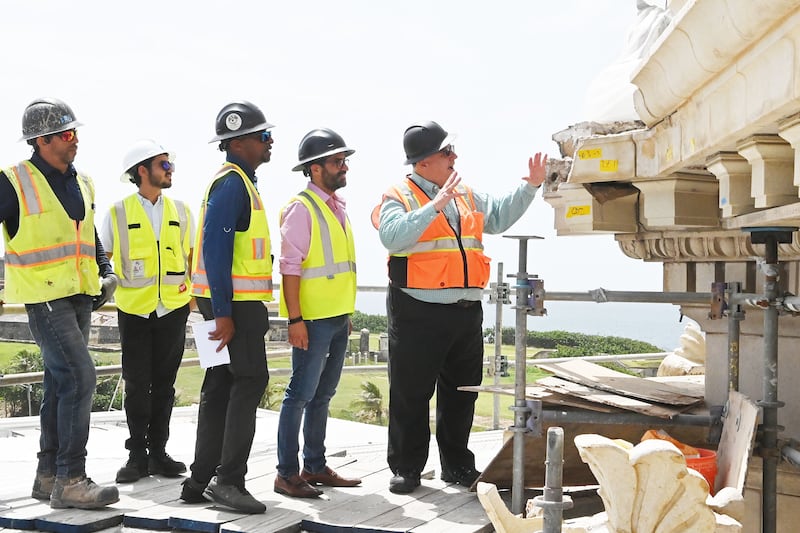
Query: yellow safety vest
328	277
252	264
150	268
51	256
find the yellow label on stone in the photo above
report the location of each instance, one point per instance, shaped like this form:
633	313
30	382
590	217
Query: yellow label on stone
592	153
579	211
609	165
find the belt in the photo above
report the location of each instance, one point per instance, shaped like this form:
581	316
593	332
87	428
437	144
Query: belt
467	303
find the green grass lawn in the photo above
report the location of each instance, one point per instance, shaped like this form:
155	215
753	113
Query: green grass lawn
190	379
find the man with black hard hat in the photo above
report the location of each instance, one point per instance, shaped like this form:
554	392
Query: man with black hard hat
318	293
53	258
433	227
231	279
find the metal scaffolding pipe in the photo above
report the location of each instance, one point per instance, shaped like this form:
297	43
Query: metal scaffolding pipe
735	316
602	296
521	409
592	417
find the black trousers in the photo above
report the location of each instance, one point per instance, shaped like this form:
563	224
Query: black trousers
226	420
152	349
431	347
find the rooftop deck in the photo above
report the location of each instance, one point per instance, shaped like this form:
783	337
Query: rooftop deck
152	503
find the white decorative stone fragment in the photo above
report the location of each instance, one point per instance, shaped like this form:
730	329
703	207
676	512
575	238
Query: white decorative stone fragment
649	489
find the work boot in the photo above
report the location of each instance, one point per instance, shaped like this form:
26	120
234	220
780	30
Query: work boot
233	497
161	463
43	486
192	491
134	468
461	475
81	493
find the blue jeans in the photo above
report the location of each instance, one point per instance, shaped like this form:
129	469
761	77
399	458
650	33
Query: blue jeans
315	375
61	329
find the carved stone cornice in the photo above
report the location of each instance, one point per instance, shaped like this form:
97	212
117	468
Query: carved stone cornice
686	247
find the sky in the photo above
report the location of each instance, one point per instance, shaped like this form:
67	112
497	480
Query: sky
503	78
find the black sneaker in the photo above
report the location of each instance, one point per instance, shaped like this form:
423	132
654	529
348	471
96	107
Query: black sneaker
134	469
192	491
462	475
233	497
404	483
161	463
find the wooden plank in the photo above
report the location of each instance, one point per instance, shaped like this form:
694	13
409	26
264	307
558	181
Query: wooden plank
549	397
609	398
78	521
285	513
426	507
736	442
600	377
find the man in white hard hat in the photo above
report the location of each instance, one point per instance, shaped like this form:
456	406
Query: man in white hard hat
149	238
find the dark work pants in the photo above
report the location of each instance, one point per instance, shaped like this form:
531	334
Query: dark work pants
152	349
226	420
431	347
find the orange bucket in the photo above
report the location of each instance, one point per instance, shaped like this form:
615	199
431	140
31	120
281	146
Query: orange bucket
706	465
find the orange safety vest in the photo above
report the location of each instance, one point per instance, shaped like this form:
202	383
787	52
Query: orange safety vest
440	258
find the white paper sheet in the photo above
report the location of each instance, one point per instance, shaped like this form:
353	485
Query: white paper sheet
207	349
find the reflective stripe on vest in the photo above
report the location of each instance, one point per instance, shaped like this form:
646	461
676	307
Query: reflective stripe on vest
330	268
328	276
440	258
51	256
251	273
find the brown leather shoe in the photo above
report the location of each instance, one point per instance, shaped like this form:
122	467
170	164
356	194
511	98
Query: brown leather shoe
295	486
329	478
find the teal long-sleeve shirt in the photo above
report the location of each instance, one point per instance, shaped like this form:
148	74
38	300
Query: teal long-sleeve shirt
399	229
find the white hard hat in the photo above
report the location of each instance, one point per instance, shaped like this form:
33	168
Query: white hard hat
140	151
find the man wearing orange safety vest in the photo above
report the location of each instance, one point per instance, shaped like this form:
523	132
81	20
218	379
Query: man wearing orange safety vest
433	228
52	261
231	279
150	236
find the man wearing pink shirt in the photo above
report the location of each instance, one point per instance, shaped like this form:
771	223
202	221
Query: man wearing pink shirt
318	292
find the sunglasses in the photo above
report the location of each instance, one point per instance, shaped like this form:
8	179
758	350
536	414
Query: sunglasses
339	162
67	136
167	166
263	136
448	150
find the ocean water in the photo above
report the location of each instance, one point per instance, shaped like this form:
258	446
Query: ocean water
658	324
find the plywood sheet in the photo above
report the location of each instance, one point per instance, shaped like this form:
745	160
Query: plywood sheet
736	442
600	377
610	398
548	397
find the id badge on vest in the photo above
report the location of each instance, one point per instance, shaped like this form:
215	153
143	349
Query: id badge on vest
138	268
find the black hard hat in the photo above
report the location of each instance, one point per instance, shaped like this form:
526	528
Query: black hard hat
424	139
239	118
318	144
45	116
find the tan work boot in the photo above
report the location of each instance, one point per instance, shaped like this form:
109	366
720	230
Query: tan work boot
43	486
81	493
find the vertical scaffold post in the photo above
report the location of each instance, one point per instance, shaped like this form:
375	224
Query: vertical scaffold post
770	237
520	408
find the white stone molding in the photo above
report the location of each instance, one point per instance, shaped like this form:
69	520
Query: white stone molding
688	55
789	129
679	201
677	246
734	175
772	162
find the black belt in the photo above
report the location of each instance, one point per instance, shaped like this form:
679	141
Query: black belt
467	303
